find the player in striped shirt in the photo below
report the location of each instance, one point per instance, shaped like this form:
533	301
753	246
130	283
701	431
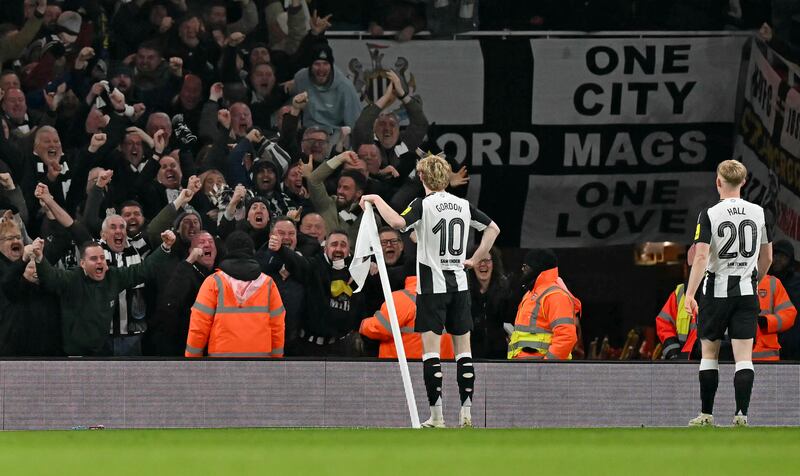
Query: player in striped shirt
733	252
440	221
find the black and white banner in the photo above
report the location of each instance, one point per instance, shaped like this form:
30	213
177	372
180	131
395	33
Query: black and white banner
573	142
768	138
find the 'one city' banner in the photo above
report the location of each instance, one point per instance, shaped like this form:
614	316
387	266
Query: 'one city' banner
768	138
572	142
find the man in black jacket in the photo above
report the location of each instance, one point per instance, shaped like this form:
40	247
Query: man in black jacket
333	312
292	289
29	317
170	325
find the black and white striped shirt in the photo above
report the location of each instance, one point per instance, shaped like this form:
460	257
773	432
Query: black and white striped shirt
130	308
735	229
441	220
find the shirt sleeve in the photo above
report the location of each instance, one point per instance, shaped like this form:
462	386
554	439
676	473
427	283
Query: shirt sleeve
766	231
703	232
413	213
478	219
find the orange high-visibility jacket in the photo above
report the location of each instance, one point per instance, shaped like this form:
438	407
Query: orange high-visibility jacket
545	326
674	325
779	312
233	328
378	328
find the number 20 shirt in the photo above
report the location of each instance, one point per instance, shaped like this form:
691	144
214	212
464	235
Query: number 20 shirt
735	229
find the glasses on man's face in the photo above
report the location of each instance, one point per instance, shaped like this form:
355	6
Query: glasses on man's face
11	238
485	261
392	242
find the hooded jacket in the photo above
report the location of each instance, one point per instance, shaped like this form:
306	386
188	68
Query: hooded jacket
330	105
238	313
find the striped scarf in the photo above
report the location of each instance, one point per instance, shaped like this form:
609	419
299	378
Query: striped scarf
130	307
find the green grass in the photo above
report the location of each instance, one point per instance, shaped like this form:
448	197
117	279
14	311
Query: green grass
285	452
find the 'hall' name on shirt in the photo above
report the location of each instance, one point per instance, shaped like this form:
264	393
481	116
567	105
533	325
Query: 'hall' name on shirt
736	211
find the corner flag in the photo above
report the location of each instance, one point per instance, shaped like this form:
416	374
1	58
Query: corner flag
368	244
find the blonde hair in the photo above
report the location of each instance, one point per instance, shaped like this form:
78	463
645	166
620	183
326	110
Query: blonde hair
732	172
434	172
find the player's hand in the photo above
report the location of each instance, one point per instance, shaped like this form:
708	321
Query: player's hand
469	263
368	198
690	305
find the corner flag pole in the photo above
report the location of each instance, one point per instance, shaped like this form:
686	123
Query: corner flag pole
398	338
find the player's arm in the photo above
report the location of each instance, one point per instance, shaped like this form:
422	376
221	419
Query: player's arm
481	222
394	219
765	253
702	239
764	260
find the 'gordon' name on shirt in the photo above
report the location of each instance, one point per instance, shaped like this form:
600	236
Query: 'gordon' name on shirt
448	206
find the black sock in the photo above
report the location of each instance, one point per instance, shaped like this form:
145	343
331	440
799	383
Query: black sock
709	379
432	373
465	376
743	387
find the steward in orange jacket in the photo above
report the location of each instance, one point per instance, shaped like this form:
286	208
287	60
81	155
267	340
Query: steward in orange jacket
378	328
777	315
674	325
238	311
546	322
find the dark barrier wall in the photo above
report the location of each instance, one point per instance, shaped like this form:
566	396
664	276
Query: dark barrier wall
140	394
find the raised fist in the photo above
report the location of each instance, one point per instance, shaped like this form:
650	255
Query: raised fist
97	141
167	238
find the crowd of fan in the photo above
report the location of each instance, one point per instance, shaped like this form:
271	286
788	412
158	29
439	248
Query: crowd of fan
124	120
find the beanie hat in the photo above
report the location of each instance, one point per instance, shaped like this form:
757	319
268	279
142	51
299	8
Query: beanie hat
784	247
189	211
239	245
321	52
120	69
253	201
540	259
69	22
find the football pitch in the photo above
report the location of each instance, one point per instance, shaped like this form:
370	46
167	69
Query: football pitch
220	452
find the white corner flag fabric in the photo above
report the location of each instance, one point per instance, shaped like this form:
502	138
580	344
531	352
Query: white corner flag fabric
368	244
